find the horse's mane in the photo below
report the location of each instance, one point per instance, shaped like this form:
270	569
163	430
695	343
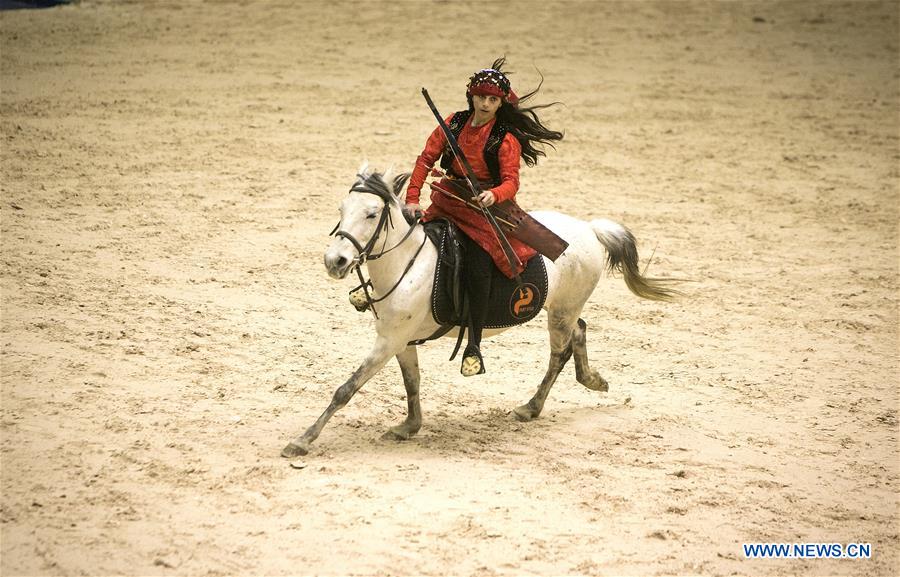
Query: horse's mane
383	185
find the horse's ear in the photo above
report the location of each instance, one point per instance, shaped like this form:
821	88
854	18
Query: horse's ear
400	182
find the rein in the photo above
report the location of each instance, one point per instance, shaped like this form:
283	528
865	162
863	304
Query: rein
364	253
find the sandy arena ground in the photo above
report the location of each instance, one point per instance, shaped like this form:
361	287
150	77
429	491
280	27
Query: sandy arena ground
170	172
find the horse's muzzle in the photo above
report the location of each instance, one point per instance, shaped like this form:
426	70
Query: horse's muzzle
337	264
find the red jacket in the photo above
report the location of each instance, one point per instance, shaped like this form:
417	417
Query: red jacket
471	222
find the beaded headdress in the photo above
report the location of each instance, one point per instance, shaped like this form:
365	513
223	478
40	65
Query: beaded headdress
489	81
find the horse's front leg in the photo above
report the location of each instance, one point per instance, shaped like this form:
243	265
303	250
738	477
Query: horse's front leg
409	367
374	362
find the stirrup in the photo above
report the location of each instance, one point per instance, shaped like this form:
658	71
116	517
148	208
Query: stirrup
472	363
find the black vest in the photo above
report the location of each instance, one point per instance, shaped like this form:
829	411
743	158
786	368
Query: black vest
491	147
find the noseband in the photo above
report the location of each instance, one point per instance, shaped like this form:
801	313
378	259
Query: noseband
364	253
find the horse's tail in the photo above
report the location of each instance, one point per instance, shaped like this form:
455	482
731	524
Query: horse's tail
622	256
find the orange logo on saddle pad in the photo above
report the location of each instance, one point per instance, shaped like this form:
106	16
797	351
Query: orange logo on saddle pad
520	303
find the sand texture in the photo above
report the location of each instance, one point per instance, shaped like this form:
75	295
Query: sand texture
171	170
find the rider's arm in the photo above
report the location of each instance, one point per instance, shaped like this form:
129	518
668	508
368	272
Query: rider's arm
433	149
509	159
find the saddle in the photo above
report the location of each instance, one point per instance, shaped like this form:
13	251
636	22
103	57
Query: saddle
509	303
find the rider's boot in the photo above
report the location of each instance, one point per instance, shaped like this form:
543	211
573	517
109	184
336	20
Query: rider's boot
479	267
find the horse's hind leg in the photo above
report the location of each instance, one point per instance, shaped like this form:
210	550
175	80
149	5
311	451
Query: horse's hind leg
561	331
409	367
583	372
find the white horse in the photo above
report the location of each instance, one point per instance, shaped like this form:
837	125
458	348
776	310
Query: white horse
402	274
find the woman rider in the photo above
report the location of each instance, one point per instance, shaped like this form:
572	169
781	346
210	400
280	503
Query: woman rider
495	134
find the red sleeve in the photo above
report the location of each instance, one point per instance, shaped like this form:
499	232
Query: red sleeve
509	159
434	146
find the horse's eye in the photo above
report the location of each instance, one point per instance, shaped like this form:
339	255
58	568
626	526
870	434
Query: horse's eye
371	216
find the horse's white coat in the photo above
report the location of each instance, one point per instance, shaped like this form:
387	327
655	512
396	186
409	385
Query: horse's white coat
405	315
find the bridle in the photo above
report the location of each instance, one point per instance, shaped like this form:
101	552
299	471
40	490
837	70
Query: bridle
364	253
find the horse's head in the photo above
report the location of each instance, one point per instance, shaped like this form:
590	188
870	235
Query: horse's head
365	217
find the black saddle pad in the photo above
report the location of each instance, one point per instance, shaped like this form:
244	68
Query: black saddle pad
509	304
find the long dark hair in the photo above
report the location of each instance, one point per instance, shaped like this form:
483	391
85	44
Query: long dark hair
523	122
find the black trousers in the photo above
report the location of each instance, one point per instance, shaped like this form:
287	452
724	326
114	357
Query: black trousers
478	269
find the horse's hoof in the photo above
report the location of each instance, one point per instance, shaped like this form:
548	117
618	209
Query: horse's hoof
395	434
524	413
401	432
293	450
392	435
596	383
